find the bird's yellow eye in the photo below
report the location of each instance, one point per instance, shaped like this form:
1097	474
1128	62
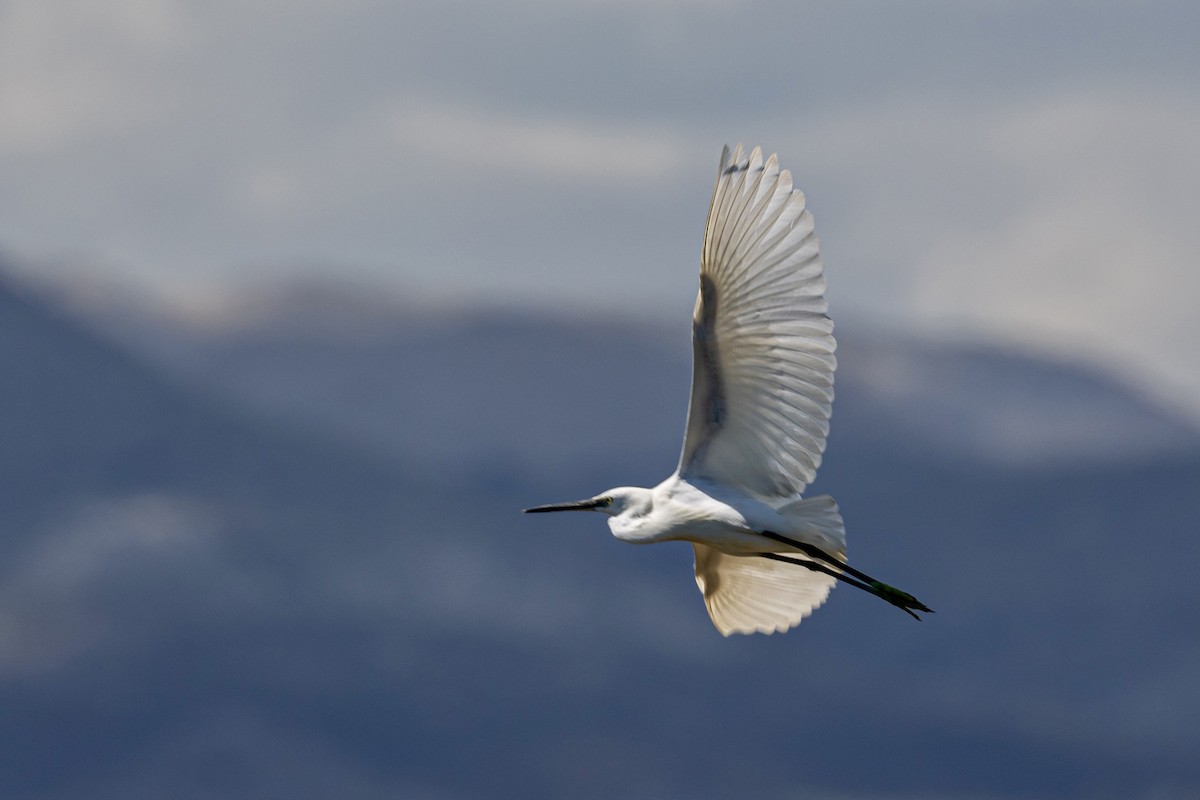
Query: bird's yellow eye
607	501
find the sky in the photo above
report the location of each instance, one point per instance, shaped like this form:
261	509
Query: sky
1022	170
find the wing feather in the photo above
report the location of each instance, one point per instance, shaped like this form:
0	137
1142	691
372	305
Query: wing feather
763	346
745	594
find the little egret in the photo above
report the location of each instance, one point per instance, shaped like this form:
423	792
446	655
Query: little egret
762	391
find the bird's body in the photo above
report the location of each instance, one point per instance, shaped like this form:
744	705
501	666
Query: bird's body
677	510
707	513
762	393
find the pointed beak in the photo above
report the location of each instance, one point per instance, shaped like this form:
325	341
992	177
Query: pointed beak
578	505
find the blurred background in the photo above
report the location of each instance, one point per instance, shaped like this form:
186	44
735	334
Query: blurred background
301	302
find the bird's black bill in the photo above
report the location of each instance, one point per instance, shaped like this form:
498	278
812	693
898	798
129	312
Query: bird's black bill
577	505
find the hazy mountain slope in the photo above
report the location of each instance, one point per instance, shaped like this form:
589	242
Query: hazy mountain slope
397	378
79	410
1016	408
236	607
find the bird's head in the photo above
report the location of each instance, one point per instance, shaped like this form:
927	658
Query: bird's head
613	502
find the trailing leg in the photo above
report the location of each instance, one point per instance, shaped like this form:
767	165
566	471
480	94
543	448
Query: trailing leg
900	599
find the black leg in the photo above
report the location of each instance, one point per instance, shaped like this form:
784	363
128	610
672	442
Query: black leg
816	566
902	600
866	587
814	552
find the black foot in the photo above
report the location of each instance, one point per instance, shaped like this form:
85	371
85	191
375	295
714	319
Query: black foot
901	600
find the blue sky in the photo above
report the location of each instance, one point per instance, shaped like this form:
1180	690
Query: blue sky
1018	169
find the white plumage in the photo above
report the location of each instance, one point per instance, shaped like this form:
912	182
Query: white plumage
762	393
762	380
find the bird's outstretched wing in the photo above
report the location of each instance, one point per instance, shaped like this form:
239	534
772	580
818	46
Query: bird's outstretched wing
762	376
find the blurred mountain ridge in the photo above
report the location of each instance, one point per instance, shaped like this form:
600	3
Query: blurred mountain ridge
393	374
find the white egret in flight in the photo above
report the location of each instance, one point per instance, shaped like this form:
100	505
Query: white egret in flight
762	391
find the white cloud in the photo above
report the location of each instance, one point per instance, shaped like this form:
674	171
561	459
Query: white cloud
76	70
1063	220
1095	246
562	148
1097	223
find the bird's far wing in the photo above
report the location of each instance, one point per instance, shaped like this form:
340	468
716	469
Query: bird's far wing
746	594
762	376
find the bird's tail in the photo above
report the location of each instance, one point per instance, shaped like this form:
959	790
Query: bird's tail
816	520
